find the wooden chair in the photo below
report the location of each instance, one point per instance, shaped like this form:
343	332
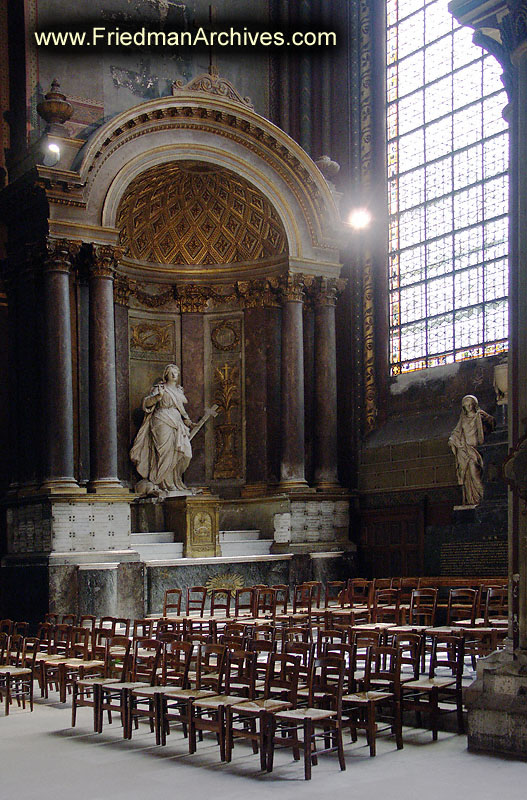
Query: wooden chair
386	606
7	626
88	621
146	701
316	722
360	592
142	629
196	598
496	606
462	606
220	601
172	602
423	607
244	602
16	676
78	663
87	691
248	719
442	685
265	603
381	688
143	672
336	594
208	713
175	703
282	597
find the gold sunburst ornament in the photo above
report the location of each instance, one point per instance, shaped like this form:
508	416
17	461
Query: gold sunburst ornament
227	580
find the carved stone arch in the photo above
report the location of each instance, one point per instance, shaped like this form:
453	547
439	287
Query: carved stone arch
198	126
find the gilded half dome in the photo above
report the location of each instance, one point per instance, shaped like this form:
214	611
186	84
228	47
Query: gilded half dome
192	213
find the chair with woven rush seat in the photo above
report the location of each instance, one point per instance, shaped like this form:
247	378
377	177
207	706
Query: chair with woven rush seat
220	601
143	672
145	702
172	602
87	691
208	713
381	687
175	703
443	683
323	714
244	603
248	719
16	676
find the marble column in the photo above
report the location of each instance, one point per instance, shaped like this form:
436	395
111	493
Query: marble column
255	401
292	467
103	393
58	382
325	386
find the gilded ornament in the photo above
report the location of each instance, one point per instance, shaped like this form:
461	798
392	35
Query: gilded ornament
152	338
226	580
226	336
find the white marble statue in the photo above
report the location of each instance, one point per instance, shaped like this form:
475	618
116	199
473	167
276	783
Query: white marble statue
464	440
162	451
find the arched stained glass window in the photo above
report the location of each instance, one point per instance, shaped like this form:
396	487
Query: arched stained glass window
447	158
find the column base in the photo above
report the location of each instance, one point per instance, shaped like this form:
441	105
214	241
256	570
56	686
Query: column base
294	486
108	486
61	486
497	708
255	490
329	486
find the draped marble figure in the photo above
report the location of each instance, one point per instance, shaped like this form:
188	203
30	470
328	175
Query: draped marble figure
162	451
464	439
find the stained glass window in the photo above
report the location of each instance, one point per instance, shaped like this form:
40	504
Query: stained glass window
447	155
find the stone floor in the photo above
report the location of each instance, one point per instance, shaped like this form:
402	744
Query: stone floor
42	757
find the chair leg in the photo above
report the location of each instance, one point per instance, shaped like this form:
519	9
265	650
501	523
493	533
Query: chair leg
371	728
460	720
434	713
308	744
74	705
340	746
398	724
271	730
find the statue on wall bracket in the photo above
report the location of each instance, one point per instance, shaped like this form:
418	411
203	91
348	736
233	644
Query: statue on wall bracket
162	449
470	432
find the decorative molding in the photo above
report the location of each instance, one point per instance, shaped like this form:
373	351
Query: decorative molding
121	290
214	85
152	337
60	254
227	394
259	293
148	300
292	287
226	335
104	261
366	167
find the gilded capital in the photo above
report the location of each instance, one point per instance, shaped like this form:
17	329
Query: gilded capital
192	298
60	254
121	290
258	293
104	261
292	287
325	291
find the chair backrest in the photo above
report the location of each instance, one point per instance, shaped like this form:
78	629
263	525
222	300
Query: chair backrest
423	607
99	638
236	629
496	604
45	636
88	621
210	667
296	633
196	597
462	604
233	643
21	628
29	652
383	664
51	618
281	677
240	674
6	626
264	630
407	586
143	629
411	647
122	626
304	598
176	664
176	626
330	636
448	653
62	639
360	592
265	603
107	622
244	601
146	660
80	640
14	651
282	597
172	602
386	605
69	619
117	657
4	641
327	681
220	601
336	594
348	653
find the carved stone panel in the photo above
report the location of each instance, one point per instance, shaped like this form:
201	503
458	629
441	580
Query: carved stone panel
225	382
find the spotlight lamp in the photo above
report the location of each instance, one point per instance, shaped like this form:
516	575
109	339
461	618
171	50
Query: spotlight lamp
359	218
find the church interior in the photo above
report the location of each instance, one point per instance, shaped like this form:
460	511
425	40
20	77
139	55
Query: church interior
264	346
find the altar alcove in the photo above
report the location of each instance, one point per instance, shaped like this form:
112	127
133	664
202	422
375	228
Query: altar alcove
186	230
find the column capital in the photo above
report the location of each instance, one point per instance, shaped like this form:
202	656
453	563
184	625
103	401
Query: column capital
122	289
258	293
293	286
104	261
326	291
59	254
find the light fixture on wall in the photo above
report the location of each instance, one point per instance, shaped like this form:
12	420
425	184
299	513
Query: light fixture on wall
51	154
359	218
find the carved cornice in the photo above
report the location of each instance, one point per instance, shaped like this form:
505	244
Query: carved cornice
214	85
104	261
259	293
60	254
193	298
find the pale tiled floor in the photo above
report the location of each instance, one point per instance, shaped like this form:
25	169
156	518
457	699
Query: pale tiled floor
42	757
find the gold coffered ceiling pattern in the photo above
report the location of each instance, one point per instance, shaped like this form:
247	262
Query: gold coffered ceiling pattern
194	213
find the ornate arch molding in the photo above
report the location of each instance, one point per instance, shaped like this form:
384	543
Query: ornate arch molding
195	124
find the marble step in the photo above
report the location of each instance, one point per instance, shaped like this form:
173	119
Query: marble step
239	536
159	551
249	547
152	537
